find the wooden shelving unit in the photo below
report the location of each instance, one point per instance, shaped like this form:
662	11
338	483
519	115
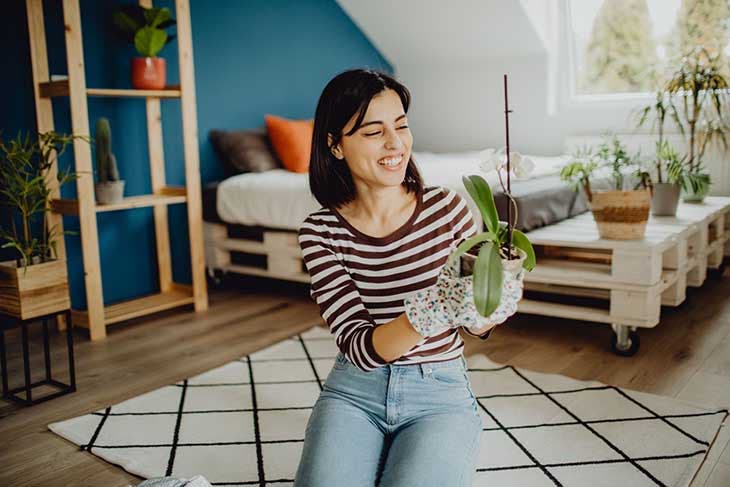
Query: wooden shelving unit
171	294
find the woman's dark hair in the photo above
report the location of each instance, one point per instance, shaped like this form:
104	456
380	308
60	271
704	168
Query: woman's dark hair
346	95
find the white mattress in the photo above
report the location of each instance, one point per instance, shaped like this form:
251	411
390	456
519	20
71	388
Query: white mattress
281	199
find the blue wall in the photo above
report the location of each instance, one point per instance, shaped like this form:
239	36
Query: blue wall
251	57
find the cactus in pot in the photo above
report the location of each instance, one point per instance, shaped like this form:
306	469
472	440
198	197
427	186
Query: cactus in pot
109	188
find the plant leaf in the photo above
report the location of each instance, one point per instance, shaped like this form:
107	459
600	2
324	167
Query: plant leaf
149	41
521	241
468	244
482	195
488	275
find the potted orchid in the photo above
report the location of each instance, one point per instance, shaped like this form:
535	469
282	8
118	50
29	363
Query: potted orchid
497	256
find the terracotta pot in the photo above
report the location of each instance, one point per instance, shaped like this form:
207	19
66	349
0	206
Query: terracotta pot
621	215
148	73
35	290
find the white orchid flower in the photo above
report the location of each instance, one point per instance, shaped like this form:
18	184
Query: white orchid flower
521	166
491	160
495	160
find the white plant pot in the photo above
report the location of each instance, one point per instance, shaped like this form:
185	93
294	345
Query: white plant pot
109	192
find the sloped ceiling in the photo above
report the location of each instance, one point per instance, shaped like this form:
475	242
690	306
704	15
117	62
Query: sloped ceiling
415	31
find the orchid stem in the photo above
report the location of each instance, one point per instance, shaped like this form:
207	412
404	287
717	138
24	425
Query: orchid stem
509	188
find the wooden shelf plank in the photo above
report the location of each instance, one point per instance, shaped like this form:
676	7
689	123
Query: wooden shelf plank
178	295
60	88
164	198
168	195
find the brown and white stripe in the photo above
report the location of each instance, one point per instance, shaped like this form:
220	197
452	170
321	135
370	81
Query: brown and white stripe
360	281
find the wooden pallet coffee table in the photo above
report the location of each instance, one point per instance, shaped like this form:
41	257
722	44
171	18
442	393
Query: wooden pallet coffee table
629	281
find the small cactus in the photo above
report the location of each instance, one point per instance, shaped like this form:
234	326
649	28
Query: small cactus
106	162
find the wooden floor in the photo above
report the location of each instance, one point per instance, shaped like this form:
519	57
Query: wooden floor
686	356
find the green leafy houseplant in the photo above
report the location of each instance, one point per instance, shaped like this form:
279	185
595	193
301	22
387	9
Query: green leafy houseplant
619	214
146	29
25	194
698	102
493	246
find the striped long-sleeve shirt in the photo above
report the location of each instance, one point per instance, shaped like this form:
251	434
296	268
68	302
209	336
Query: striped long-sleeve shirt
360	281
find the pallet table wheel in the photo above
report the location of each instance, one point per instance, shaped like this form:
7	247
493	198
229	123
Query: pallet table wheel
624	340
718	272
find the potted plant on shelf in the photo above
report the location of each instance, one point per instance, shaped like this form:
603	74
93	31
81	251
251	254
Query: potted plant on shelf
496	257
145	28
109	188
35	283
619	214
698	100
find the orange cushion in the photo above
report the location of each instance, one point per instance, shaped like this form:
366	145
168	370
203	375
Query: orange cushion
292	141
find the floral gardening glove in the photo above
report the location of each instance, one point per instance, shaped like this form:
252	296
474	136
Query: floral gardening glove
447	304
450	303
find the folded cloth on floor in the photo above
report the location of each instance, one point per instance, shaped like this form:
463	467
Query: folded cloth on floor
197	481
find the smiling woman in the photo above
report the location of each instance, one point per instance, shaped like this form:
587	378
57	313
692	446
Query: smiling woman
380	238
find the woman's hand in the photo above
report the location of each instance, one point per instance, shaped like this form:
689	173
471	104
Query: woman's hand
447	304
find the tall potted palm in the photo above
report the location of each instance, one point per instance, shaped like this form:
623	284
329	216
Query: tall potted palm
698	103
35	282
667	170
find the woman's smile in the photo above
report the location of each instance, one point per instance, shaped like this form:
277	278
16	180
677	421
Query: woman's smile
392	163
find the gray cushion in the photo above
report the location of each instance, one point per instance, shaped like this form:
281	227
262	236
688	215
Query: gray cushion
244	151
540	202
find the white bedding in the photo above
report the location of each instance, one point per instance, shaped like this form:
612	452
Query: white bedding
281	199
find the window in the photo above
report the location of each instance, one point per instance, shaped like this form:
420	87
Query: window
629	46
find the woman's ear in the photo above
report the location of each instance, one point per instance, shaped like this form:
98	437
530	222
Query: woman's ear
336	149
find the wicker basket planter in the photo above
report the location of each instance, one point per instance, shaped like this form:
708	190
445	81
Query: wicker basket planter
621	215
37	290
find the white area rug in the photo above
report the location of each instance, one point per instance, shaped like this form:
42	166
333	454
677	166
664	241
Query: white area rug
243	424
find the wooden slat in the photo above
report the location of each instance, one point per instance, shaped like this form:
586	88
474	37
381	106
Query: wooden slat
178	295
157	174
84	169
44	115
142	202
256	271
190	145
166	196
61	88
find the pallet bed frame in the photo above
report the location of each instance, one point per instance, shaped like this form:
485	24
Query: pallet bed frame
625	282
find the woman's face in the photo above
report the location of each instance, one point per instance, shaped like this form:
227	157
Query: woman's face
377	154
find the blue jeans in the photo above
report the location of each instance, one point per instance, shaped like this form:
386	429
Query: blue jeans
395	426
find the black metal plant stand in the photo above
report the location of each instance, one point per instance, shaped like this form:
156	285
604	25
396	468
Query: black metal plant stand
8	322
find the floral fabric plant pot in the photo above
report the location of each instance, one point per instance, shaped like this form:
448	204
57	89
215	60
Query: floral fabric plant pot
512	285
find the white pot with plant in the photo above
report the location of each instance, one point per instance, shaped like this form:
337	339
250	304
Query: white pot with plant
145	28
35	283
667	171
620	214
698	101
495	259
109	188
